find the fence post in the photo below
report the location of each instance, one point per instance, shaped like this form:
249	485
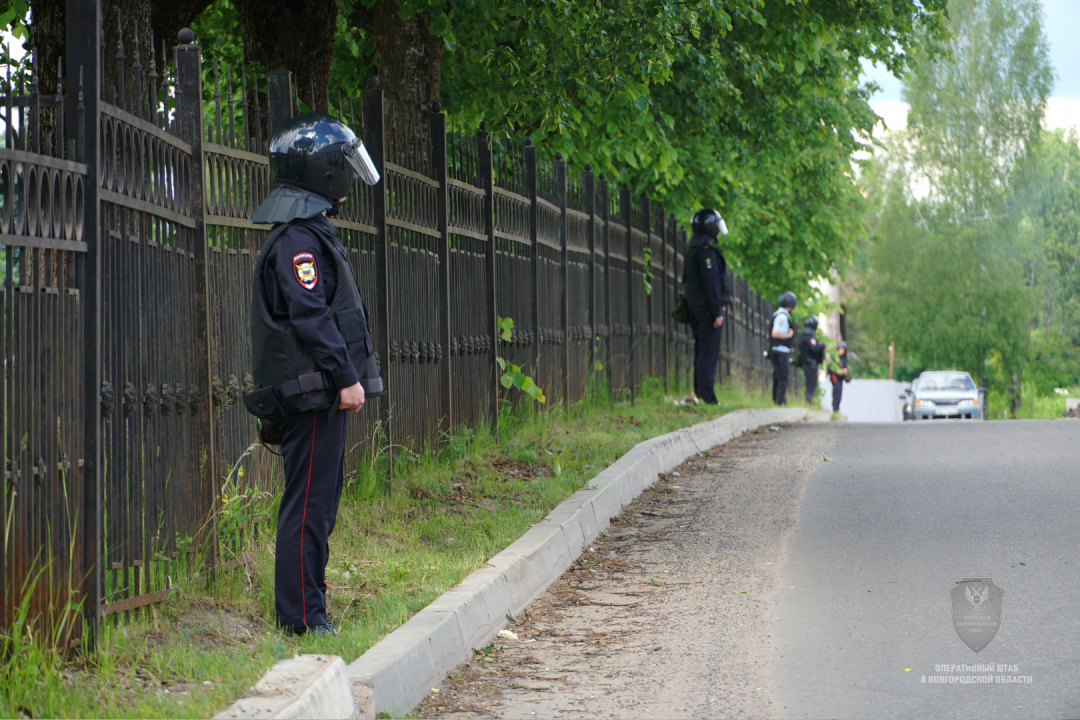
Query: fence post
560	199
627	213
588	189
665	316
83	117
189	115
605	210
485	169
278	99
673	292
438	163
646	267
534	239
374	141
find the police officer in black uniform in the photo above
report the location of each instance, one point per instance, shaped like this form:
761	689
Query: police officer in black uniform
312	351
704	278
812	354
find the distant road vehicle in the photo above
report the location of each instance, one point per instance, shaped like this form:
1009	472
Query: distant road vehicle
945	395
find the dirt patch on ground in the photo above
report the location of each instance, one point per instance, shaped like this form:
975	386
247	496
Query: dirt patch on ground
668	614
209	625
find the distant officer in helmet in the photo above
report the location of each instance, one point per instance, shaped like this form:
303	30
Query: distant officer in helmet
313	357
837	370
783	339
705	289
812	354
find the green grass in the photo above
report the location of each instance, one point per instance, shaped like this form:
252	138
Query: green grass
391	555
1035	406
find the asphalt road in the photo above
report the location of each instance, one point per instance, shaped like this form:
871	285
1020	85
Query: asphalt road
899	515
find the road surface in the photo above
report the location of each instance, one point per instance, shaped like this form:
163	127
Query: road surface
804	572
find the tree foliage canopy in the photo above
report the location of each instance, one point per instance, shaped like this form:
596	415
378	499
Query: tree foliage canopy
973	213
749	106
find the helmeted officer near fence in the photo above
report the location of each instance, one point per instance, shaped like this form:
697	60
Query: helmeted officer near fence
705	289
783	339
313	356
812	354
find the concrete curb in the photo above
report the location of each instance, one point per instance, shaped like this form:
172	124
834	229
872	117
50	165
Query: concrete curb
305	686
404	666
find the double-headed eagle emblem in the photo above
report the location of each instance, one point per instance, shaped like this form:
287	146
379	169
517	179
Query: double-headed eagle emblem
976	594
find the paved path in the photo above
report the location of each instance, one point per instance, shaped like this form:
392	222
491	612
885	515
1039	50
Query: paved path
791	586
887	527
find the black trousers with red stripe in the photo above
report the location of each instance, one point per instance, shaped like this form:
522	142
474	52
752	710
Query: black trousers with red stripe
313	447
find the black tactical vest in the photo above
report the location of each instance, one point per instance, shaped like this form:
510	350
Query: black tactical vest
280	361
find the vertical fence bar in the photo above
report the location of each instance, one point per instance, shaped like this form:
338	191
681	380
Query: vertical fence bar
627	217
486	172
665	317
438	163
647	321
605	209
534	239
375	142
559	169
83	43
588	191
189	112
674	293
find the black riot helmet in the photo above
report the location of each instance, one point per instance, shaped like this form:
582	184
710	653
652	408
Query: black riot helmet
709	223
810	322
786	300
320	154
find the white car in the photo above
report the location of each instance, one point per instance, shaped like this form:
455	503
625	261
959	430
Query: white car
945	395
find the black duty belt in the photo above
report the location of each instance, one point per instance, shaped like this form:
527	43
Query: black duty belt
306	383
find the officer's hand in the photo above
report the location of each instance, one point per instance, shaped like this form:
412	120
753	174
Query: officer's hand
718	322
352	398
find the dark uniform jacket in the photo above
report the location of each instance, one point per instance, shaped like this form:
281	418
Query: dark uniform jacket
704	278
299	283
812	353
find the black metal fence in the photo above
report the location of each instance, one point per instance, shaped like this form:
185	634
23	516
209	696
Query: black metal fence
128	251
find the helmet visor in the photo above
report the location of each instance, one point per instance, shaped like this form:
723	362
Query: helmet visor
723	226
360	161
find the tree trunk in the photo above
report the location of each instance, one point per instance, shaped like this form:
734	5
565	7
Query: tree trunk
48	40
169	17
409	57
1016	398
157	19
294	35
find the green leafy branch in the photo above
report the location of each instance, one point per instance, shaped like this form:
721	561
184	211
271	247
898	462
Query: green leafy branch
512	376
648	274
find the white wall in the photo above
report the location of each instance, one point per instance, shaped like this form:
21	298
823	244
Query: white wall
868	400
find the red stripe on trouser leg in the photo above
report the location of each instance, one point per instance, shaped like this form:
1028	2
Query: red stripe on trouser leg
303	521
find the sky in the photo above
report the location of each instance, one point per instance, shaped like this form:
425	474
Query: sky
1061	21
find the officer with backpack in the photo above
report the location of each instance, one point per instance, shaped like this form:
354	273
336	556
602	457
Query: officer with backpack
704	287
811	355
312	353
782	335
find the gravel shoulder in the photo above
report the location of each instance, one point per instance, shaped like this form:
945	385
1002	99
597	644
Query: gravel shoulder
668	614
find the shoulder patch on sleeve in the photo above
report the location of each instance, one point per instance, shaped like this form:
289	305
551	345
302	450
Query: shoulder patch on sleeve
304	268
708	261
